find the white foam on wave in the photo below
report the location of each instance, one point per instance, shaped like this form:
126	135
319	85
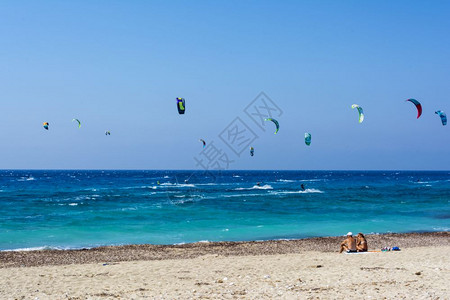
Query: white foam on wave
39	249
285	180
26	179
236	176
312	180
73	204
178	184
255	187
441	228
185	185
307	191
148	187
428	182
263	187
241	195
128	208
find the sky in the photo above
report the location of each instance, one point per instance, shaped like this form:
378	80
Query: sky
119	66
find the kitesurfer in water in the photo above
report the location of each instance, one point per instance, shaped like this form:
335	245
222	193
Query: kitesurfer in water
258	183
303	187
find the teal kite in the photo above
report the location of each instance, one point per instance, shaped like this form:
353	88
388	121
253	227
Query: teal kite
275	122
203	142
443	116
360	111
307	138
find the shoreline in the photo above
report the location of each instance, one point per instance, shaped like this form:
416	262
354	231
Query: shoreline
149	252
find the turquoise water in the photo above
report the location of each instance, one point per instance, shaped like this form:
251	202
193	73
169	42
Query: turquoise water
75	209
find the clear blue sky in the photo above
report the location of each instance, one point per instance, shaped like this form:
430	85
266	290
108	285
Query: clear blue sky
118	65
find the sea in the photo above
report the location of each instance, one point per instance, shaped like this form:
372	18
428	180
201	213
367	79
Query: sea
73	209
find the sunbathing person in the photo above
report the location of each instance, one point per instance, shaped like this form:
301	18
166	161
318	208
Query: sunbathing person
361	243
349	244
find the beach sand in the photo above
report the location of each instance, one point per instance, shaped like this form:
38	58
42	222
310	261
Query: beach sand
247	270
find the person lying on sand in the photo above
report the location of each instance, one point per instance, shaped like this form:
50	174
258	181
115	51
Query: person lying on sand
361	243
349	244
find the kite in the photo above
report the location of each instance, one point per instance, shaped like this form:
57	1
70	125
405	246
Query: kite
181	105
79	123
45	125
275	122
107	132
307	138
203	141
360	111
443	116
418	106
252	151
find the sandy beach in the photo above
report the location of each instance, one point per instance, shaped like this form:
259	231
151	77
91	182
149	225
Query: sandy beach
245	270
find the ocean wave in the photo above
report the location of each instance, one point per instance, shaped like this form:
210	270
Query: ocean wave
181	202
428	182
41	248
128	208
307	191
138	187
241	195
26	179
285	180
69	204
441	228
256	187
263	187
177	184
312	180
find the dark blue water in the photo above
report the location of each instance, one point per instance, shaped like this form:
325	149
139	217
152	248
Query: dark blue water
73	209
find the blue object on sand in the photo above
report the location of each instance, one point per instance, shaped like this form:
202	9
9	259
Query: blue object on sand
395	249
